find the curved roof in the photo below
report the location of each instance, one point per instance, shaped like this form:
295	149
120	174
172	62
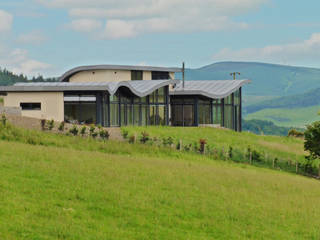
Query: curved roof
73	71
139	88
216	89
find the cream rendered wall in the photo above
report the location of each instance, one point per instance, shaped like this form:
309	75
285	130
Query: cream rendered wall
147	75
102	76
172	75
109	76
52	104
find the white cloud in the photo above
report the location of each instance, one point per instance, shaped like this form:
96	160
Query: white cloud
307	50
18	61
85	25
129	18
34	37
5	21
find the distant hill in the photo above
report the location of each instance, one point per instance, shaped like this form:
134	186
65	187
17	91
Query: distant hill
310	98
267	79
9	78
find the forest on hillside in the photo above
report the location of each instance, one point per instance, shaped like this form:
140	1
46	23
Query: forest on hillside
9	78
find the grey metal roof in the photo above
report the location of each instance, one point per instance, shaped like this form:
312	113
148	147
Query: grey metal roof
139	88
210	88
115	67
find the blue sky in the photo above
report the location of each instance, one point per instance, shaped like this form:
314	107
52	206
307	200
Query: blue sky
51	36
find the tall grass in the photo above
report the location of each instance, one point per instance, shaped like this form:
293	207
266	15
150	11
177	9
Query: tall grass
271	151
58	192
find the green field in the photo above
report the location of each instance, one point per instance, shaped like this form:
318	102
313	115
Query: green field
275	146
296	117
63	187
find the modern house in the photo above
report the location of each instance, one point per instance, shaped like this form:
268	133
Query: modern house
114	96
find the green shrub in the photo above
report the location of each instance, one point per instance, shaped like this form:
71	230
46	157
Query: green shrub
92	129
4	119
312	140
61	127
83	130
50	124
295	133
144	137
94	134
167	141
104	134
125	133
74	130
230	152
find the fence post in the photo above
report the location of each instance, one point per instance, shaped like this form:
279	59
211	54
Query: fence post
135	137
297	167
180	143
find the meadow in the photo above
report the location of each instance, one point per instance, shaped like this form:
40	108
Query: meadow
286	117
285	148
66	187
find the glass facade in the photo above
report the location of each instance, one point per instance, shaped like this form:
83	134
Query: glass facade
123	109
197	110
80	109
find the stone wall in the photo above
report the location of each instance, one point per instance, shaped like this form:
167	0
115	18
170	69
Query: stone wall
16	111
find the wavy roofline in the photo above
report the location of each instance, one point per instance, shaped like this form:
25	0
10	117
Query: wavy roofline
75	70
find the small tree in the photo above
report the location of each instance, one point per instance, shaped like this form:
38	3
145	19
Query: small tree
104	134
74	130
61	127
203	143
312	139
144	137
50	124
83	130
312	144
92	130
125	133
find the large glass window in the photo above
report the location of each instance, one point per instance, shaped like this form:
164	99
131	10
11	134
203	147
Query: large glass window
182	111
80	109
160	75
216	114
204	114
136	75
114	114
228	116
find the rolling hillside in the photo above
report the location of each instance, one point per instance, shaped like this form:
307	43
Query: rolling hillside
285	95
62	187
268	79
308	99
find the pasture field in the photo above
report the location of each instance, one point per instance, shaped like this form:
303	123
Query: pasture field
64	187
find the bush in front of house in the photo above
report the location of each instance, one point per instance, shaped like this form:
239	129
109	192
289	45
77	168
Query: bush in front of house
74	130
50	124
104	134
61	127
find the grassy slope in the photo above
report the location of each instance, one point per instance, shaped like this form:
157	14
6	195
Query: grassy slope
281	147
62	193
297	117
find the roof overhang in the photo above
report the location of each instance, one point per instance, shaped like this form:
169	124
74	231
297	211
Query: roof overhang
215	89
139	88
73	71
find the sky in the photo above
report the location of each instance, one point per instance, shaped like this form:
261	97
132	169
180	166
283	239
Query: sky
49	37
